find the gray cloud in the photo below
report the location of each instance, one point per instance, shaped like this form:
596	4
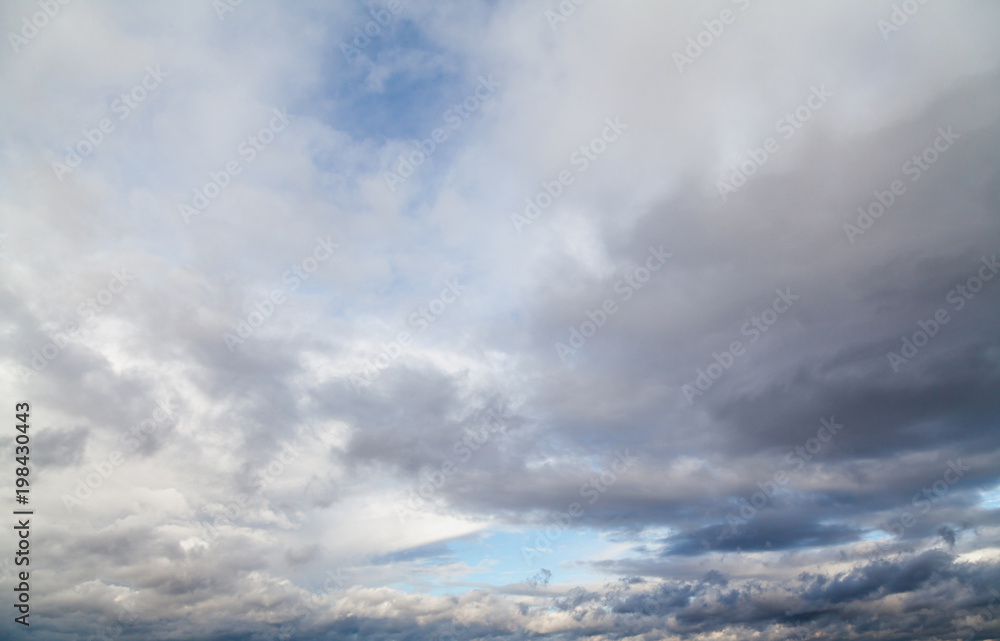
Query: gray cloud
278	497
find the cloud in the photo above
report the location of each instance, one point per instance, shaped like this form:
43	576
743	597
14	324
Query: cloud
198	487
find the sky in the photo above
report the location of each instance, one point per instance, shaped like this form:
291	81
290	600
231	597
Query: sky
501	319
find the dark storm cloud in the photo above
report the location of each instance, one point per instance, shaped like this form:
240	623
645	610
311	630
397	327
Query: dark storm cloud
772	532
809	604
827	356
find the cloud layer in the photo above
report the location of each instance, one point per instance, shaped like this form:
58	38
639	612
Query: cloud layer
480	320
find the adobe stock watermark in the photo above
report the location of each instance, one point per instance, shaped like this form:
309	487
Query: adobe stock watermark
464	448
968	631
899	16
128	614
914	168
87	311
223	7
922	500
565	9
31	28
581	160
262	309
754	329
591	490
89	483
957	297
796	459
302	612
261	480
596	318
123	106
421	319
248	149
700	42
381	19
454	116
788	126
